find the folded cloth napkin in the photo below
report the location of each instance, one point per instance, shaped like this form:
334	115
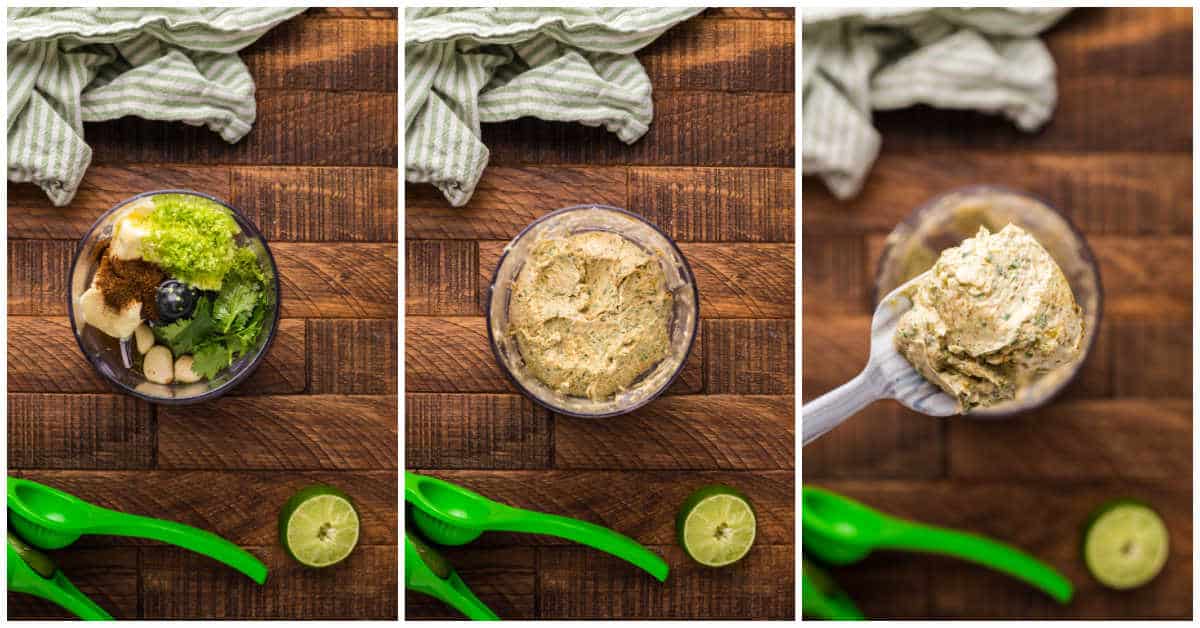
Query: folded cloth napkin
467	66
857	60
68	66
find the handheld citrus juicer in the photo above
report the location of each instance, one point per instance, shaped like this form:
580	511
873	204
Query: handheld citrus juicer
43	518
841	531
448	514
822	598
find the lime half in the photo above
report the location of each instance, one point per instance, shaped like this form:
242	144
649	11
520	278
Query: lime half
39	562
1125	544
319	526
716	525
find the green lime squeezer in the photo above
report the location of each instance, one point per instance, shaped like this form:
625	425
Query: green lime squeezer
448	514
44	518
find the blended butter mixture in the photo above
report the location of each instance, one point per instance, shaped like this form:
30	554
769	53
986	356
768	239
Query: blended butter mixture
590	312
989	316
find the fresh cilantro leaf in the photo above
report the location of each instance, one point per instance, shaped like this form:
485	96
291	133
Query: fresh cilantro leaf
184	336
209	359
236	301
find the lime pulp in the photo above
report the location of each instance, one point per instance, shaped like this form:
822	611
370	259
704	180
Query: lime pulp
1125	544
39	562
319	526
716	525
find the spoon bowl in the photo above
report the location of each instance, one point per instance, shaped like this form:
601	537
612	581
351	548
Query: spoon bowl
888	375
45	517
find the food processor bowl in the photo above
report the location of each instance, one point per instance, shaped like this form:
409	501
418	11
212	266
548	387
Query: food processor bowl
680	282
944	222
115	360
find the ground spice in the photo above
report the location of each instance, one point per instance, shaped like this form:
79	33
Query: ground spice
124	281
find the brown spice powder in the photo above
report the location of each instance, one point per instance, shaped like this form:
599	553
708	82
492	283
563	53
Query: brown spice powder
124	281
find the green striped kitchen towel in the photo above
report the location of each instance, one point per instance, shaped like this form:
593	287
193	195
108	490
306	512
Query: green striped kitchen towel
67	66
467	66
857	60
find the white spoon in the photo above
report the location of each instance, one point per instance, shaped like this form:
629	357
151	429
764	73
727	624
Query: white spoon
887	376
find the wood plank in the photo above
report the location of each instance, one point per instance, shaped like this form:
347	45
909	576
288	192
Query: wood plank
750	357
1095	113
689	129
280	432
724	55
1110	193
338	280
79	432
717	204
362	13
38	272
352	357
1043	518
318	128
1152	358
44	357
31	216
508	199
240	506
884	440
579	583
750	13
451	431
326	54
838	275
723	432
109	576
1132	439
177	584
454	355
1123	41
734	280
503	578
639	504
886	571
318	203
442	277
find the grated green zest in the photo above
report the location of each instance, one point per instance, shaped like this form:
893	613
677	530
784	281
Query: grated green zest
192	238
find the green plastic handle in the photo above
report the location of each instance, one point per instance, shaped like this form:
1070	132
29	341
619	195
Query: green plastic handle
112	522
56	589
907	535
509	519
452	590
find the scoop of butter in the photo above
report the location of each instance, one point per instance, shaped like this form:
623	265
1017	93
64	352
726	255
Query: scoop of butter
130	230
119	324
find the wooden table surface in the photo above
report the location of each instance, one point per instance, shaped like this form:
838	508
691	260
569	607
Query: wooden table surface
318	176
715	172
1116	158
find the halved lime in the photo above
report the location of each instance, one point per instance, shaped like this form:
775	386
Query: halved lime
1125	544
716	525
319	526
39	562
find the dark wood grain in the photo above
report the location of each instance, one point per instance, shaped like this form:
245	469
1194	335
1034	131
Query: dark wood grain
507	199
1124	41
280	432
457	431
174	582
690	128
336	281
441	277
318	203
750	357
723	432
352	357
1109	193
723	55
884	440
504	578
717	204
321	128
38	274
79	432
239	505
326	54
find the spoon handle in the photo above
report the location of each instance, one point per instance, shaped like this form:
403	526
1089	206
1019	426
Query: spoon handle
829	410
193	539
585	533
983	551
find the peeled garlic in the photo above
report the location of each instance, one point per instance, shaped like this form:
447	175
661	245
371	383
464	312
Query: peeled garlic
183	370
157	366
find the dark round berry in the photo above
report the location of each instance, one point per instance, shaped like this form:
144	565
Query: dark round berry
176	300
